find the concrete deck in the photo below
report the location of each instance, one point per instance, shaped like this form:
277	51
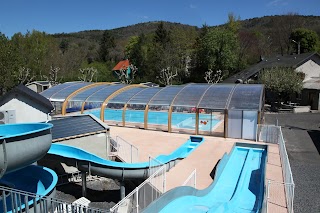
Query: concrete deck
203	159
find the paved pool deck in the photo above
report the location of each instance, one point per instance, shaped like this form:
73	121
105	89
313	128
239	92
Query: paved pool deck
203	159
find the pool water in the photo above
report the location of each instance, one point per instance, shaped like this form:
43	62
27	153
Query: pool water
179	120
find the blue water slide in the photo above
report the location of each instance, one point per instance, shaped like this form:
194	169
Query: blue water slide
20	146
237	187
89	162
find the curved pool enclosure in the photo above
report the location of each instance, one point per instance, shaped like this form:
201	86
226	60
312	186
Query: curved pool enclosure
199	104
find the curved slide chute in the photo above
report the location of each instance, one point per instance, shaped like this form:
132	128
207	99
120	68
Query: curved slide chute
89	162
238	187
20	146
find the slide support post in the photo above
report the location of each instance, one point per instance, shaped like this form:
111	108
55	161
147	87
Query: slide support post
84	184
122	189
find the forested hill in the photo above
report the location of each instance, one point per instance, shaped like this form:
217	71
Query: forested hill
272	26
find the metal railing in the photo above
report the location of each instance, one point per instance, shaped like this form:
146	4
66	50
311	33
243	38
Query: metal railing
124	150
286	170
273	134
19	201
151	189
191	180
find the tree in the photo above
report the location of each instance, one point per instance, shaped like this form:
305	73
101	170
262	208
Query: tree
166	76
213	77
217	50
64	45
24	75
281	30
9	64
53	76
106	43
127	75
87	74
307	40
162	35
281	82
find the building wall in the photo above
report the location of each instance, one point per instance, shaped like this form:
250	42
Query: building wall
310	68
310	97
95	144
26	110
33	87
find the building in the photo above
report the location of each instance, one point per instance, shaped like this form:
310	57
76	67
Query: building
39	86
209	109
21	105
307	63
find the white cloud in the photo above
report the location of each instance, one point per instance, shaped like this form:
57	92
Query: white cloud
276	3
192	6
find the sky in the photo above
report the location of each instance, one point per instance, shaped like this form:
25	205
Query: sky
64	16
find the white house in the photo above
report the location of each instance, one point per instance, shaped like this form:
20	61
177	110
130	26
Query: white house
307	63
22	105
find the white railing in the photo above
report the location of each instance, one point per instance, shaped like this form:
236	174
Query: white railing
144	194
286	170
273	134
19	201
191	180
124	150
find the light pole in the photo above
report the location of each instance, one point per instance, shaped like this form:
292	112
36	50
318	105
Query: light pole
298	43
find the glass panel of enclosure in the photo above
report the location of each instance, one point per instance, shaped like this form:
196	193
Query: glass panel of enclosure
246	97
51	91
134	115
95	100
183	119
57	107
75	102
190	95
158	117
144	96
113	113
103	94
216	96
211	122
125	96
64	93
165	96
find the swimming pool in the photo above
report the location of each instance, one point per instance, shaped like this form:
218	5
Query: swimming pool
179	120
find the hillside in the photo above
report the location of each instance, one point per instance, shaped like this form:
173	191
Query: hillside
272	26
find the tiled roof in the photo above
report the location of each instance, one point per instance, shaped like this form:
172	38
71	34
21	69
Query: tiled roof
121	65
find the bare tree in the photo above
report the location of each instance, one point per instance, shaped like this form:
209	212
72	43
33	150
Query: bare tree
53	76
24	75
167	75
87	74
213	77
127	75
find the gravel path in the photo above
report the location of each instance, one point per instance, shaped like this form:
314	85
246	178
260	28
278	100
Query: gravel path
103	193
302	135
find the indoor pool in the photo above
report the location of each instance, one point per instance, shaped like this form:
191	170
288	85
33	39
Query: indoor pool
179	120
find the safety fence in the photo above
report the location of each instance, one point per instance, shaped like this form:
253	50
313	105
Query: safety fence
191	180
19	201
273	134
124	150
148	191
